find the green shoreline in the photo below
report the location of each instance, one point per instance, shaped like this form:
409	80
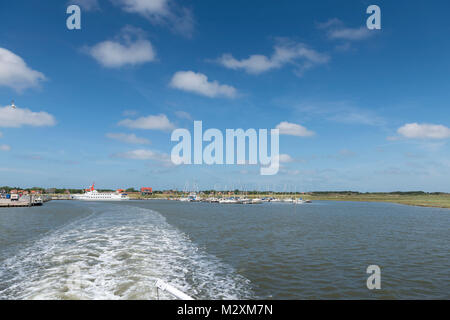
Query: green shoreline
420	202
412	198
434	200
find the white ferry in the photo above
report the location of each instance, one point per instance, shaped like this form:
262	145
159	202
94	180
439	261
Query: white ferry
93	195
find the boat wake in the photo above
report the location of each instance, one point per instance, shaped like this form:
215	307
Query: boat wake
117	253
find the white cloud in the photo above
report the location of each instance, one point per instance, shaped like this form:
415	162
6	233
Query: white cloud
342	112
129	113
293	129
285	158
285	52
146	154
15	73
124	50
4	147
424	131
115	55
198	83
350	33
145	7
127	138
337	31
88	5
15	118
183	115
139	154
162	12
158	122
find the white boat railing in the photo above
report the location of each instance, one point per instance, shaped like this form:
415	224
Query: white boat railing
161	285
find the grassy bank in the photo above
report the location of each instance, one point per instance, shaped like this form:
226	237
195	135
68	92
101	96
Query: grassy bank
439	200
425	200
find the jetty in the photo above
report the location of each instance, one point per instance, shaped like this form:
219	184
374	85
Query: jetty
24	201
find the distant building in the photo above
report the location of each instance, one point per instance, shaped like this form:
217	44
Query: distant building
146	191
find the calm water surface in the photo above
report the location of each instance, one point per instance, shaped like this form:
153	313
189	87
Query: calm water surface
211	251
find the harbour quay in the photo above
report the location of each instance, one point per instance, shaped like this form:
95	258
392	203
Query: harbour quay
24	201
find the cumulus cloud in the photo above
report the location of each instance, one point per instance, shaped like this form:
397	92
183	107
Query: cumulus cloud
342	112
424	131
285	158
146	154
129	48
151	122
154	8
285	52
198	83
336	30
183	115
15	73
293	129
162	12
127	138
88	5
4	147
350	33
15	118
139	154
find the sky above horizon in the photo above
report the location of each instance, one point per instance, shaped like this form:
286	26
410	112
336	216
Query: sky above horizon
357	109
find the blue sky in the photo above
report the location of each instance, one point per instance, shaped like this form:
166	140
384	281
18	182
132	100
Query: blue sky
358	109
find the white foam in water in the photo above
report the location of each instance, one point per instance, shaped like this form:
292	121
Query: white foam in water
117	253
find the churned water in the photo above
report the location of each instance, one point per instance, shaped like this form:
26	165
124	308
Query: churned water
76	250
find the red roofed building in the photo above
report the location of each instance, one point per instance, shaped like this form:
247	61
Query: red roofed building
146	191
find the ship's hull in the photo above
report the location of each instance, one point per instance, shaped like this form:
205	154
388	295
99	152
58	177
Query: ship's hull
106	199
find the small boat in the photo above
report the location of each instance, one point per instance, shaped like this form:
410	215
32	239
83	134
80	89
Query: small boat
228	201
301	201
250	201
193	197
